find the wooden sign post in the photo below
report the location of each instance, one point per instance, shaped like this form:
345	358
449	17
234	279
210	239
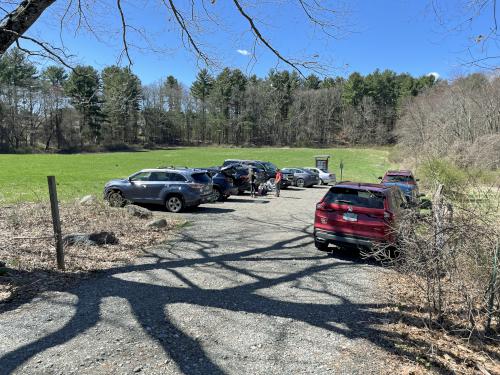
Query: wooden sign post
56	221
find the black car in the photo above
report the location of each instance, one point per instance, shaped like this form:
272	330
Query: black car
268	168
223	183
239	173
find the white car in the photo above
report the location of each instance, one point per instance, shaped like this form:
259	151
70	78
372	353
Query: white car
325	177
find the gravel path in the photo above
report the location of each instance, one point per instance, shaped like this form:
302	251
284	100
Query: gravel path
241	290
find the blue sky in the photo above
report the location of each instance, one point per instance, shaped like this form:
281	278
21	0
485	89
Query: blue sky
404	35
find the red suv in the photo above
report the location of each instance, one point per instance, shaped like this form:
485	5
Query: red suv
355	214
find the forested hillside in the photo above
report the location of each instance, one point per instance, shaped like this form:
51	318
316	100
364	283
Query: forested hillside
459	121
57	109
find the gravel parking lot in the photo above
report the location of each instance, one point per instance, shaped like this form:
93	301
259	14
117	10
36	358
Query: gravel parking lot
240	290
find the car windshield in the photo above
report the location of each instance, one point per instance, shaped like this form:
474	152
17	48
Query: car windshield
324	170
354	197
398	178
201	178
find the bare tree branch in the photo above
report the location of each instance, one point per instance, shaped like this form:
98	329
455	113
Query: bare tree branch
124	32
182	23
20	20
258	34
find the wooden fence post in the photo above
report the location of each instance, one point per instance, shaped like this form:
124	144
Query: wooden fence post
56	221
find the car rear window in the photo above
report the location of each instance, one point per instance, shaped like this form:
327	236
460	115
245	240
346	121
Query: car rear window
201	178
354	197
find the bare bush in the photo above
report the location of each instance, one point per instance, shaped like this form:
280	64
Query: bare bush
451	255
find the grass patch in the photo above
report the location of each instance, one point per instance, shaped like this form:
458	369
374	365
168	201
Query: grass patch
23	177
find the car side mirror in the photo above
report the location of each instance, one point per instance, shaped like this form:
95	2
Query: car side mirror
379	177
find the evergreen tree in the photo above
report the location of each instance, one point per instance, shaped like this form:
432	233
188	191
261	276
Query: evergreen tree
83	87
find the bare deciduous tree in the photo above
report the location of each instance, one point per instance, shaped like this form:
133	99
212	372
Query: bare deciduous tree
190	18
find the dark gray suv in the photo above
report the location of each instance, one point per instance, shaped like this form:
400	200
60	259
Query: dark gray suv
301	177
173	188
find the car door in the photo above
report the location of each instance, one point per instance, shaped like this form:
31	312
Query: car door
136	191
158	182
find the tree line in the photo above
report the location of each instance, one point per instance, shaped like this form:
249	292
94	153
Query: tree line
57	109
458	121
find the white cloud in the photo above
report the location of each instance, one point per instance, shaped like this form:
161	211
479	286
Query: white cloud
434	74
243	52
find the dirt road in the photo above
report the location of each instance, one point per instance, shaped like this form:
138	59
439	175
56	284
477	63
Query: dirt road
240	290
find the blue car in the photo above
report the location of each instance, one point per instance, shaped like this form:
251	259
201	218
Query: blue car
223	182
173	188
405	181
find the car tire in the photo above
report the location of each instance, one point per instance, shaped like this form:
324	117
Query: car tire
174	204
299	182
321	246
218	195
115	199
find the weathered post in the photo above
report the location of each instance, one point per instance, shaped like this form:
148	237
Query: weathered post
492	287
56	221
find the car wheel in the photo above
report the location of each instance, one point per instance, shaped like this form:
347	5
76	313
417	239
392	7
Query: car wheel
300	183
174	204
321	182
115	199
321	246
218	195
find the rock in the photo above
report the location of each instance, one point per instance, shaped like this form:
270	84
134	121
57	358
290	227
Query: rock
93	239
87	200
138	369
159	223
2	264
138	211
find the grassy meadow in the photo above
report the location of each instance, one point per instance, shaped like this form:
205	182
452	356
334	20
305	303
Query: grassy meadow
23	177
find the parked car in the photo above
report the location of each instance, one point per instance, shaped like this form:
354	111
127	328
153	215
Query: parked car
301	177
239	173
223	182
405	181
358	215
173	188
325	177
268	167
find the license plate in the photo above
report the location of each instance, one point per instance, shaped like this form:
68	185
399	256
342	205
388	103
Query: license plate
349	216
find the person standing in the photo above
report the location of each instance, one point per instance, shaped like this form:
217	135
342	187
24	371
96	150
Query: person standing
277	182
253	179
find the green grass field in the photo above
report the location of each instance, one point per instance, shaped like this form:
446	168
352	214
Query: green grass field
23	177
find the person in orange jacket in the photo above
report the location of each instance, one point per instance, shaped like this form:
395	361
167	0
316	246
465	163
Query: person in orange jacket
277	182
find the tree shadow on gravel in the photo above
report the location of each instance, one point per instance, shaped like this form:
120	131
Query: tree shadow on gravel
148	301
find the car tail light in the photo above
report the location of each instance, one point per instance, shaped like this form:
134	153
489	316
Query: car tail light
197	186
320	206
388	215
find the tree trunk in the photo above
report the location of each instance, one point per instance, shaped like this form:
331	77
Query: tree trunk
20	20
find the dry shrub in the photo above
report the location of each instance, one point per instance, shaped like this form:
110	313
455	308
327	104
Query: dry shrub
27	244
447	288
